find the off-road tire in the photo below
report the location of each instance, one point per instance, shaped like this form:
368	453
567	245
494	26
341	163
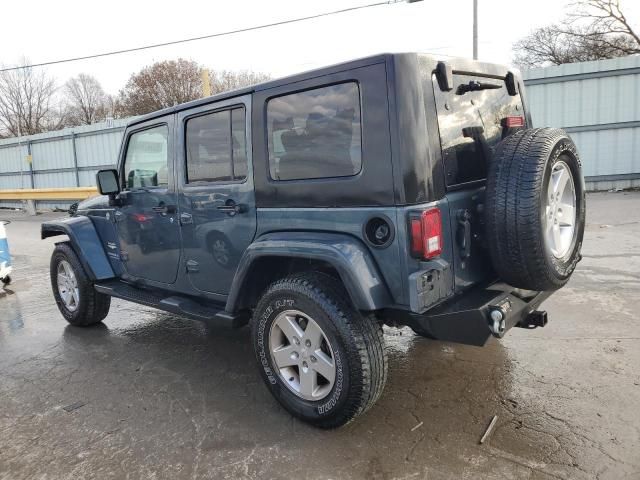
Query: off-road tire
93	307
515	207
360	357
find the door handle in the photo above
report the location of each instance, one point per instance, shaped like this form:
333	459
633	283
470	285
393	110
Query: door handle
186	219
232	208
164	209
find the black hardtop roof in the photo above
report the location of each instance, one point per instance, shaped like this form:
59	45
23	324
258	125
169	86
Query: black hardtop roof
379	58
460	64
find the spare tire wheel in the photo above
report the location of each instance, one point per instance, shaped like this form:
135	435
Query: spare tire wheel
535	209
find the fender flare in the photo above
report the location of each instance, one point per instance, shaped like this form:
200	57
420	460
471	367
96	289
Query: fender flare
348	255
85	242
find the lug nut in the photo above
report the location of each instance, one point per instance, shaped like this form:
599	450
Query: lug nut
295	355
313	359
305	365
307	343
296	341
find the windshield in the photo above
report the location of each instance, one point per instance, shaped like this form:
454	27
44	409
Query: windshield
470	118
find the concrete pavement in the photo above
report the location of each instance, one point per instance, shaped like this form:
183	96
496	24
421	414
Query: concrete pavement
158	396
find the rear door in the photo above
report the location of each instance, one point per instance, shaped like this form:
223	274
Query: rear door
217	205
472	121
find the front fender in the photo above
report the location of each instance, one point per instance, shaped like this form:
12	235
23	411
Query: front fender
348	255
85	241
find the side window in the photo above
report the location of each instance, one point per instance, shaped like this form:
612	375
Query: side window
239	139
216	147
315	133
146	161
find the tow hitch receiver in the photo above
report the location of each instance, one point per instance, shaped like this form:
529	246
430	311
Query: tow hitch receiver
482	313
537	318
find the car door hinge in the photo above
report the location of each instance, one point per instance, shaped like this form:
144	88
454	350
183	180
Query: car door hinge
192	266
464	233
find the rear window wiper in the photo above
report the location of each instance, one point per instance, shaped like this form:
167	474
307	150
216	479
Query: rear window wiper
474	86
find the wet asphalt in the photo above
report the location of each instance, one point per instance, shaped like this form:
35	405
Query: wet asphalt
155	396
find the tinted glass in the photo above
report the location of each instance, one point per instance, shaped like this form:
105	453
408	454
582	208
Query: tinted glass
315	134
146	161
470	125
107	182
239	138
216	147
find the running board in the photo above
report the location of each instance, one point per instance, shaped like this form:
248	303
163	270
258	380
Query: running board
179	305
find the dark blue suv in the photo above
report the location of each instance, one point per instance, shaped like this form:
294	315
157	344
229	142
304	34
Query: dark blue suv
395	189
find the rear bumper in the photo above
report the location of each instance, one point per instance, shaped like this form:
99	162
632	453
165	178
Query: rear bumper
478	314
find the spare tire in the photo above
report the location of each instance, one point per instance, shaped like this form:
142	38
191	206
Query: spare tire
535	209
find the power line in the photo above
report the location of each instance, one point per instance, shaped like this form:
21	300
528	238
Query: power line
203	37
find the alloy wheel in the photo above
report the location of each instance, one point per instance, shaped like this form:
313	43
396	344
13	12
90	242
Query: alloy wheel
560	210
68	286
302	355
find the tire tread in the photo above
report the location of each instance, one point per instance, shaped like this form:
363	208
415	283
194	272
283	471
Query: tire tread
361	334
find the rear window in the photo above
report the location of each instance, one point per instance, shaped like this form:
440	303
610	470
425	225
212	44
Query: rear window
470	125
315	133
216	147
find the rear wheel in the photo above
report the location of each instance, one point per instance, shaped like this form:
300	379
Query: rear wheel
322	359
73	291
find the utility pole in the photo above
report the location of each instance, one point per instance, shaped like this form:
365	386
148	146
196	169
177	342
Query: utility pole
475	29
206	83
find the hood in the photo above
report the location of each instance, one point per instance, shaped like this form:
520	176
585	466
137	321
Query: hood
93	203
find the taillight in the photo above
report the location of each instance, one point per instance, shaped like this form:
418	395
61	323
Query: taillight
513	121
426	234
141	217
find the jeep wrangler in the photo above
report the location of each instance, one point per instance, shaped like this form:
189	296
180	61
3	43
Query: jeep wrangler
395	189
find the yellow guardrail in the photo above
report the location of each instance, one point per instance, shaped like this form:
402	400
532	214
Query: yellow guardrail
75	193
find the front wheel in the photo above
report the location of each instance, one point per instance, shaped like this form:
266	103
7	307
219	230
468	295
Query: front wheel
322	359
73	291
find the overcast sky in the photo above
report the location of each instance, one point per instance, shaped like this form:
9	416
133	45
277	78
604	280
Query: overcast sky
49	30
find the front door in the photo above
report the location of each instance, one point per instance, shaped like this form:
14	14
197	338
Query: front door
146	220
217	206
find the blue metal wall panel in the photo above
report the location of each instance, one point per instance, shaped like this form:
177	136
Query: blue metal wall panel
13	158
599	102
98	149
95	146
51	154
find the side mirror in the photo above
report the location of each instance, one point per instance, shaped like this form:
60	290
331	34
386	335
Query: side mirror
107	181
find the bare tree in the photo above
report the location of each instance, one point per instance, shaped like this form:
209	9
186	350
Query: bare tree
161	85
113	107
225	80
606	18
593	30
27	102
85	99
